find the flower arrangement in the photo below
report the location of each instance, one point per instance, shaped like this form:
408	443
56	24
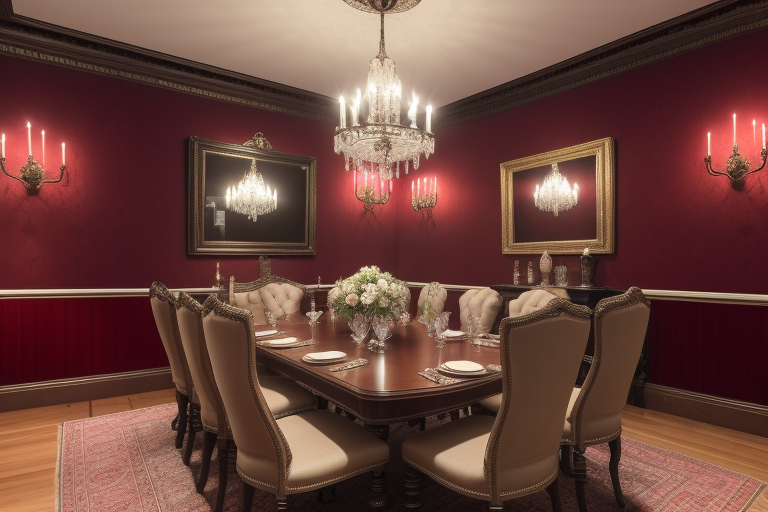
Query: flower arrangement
369	291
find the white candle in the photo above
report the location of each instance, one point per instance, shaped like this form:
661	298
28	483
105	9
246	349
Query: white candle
43	134
342	113
418	188
435	186
753	131
709	145
413	194
3	139
763	135
29	138
63	160
734	129
429	118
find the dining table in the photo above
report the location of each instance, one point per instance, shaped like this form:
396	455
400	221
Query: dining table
387	387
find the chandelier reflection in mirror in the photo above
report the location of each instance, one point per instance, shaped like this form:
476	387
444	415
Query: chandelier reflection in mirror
250	197
33	174
382	145
555	194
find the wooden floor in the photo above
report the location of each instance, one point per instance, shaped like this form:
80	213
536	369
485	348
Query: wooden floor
28	445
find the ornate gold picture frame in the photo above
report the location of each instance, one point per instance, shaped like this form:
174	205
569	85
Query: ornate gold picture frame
214	228
590	223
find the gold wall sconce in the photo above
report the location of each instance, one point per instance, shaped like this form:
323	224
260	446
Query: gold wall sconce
736	167
423	196
372	189
32	175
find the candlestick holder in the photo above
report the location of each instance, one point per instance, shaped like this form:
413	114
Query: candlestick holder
370	194
32	175
425	199
736	167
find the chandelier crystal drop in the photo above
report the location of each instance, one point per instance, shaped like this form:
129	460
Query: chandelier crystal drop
250	197
555	194
381	144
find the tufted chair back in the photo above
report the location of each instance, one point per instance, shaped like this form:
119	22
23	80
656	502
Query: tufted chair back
260	443
483	303
280	296
529	301
436	294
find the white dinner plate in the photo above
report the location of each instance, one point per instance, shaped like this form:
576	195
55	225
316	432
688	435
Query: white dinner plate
265	333
451	373
454	334
333	356
463	366
280	342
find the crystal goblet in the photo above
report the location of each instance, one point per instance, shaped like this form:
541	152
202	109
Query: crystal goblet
360	325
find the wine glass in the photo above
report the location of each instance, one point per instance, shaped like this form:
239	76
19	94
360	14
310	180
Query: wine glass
383	326
271	317
441	325
360	325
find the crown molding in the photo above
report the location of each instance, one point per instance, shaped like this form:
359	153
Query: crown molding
34	40
709	24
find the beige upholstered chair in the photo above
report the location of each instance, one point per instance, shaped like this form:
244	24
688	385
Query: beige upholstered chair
436	294
281	296
594	412
289	455
527	302
482	303
164	310
283	396
516	452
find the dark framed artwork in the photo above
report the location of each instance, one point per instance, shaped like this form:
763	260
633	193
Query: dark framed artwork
527	229
215	228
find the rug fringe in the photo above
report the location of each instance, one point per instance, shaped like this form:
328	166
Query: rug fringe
57	490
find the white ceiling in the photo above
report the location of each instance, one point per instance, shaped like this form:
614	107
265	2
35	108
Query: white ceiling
445	50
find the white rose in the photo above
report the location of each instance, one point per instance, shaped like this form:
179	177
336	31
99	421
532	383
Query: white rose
367	298
351	299
383	284
333	294
384	302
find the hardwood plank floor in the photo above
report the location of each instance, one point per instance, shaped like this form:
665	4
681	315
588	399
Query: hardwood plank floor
29	442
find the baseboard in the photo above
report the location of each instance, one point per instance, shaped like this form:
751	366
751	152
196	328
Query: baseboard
54	392
723	412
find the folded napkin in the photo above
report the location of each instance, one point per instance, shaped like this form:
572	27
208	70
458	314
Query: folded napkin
324	356
270	332
278	342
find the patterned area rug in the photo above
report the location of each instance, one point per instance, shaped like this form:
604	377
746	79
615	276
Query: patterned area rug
127	462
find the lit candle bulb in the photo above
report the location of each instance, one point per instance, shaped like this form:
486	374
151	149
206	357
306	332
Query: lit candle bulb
63	159
753	131
43	134
763	135
429	119
734	129
29	137
709	143
3	139
413	194
435	186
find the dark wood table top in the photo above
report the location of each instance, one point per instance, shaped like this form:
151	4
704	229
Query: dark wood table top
389	389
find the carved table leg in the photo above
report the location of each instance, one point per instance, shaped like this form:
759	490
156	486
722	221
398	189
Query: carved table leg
380	431
412	482
379	488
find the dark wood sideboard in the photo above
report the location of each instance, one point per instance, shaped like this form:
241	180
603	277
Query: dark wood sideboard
587	296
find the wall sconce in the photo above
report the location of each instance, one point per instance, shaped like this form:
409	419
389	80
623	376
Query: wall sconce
32	175
736	167
374	189
426	198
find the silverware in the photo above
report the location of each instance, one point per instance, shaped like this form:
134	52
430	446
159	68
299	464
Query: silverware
355	363
495	368
485	343
434	376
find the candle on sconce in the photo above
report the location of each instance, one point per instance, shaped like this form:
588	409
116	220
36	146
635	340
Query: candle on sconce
753	131
63	160
429	119
709	143
43	134
29	137
435	185
763	135
3	139
413	193
734	129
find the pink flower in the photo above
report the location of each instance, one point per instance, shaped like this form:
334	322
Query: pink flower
351	299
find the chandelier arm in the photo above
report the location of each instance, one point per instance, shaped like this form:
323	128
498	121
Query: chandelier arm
712	171
2	167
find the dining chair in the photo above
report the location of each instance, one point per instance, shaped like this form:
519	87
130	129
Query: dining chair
164	310
516	452
283	396
436	294
483	303
289	455
281	296
528	302
594	411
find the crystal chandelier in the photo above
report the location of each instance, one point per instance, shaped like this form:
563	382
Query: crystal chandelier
555	194
382	145
250	197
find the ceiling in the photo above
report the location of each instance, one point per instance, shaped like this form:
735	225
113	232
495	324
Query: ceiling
445	50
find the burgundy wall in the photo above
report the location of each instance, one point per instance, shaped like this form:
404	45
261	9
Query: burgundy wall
120	218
